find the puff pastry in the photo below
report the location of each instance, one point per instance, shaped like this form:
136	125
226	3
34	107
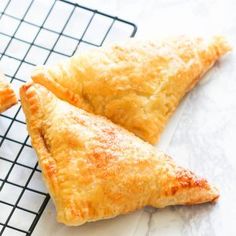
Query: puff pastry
7	95
136	84
95	169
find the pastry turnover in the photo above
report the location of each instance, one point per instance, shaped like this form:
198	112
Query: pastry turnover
7	95
137	84
95	169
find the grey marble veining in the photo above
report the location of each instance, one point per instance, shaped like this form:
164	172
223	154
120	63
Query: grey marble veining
206	135
205	141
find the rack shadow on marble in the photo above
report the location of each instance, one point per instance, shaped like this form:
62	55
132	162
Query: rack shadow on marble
20	52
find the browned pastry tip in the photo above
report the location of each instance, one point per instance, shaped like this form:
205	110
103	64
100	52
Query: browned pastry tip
7	95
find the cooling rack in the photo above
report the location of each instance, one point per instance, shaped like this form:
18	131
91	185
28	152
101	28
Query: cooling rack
36	32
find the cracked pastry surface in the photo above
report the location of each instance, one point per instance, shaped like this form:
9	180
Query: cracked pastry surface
95	169
136	84
7	95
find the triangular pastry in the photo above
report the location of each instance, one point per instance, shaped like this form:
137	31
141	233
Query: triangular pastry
7	95
137	84
95	169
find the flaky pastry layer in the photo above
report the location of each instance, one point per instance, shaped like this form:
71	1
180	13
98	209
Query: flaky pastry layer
136	84
95	169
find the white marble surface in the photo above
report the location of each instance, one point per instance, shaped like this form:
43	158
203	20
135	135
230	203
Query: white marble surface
205	137
201	135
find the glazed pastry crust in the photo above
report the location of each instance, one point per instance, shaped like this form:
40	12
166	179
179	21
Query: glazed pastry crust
95	169
7	95
136	84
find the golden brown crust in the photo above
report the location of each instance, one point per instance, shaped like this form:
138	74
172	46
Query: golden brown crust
95	169
135	84
7	95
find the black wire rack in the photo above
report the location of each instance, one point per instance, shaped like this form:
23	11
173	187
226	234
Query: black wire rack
38	32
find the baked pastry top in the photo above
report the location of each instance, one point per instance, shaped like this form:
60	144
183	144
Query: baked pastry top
7	95
95	169
137	84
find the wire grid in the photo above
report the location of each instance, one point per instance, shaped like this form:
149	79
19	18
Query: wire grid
38	32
